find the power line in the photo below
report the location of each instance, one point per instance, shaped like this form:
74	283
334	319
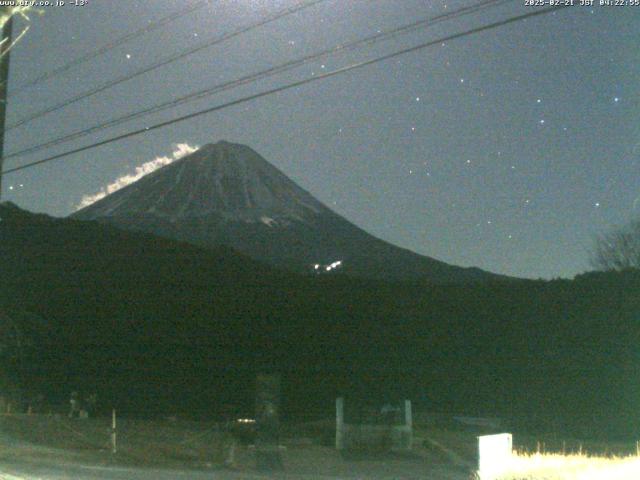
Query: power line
110	46
342	48
166	61
292	85
6	34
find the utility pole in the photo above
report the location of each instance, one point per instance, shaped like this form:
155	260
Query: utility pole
5	52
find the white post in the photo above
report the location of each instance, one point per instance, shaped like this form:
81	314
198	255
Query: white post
408	416
114	445
494	455
339	423
408	422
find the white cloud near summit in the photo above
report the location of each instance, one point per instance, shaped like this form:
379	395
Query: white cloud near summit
181	150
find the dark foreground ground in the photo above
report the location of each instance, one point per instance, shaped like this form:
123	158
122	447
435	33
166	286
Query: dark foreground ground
50	447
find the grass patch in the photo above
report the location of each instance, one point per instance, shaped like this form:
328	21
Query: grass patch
552	466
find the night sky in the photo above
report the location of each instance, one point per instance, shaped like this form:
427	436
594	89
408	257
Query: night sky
508	150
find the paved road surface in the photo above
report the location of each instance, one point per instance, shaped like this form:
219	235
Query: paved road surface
26	471
20	461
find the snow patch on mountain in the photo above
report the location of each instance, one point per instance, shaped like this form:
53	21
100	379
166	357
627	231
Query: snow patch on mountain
268	221
180	150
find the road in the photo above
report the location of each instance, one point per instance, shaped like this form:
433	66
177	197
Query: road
39	471
21	461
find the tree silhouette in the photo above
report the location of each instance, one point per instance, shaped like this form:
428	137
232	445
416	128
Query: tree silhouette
618	249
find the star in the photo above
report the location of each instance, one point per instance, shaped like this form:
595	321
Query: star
462	80
541	122
539	100
417	99
597	204
616	99
128	56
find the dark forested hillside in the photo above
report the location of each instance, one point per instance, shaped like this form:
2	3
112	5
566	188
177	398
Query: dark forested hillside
156	326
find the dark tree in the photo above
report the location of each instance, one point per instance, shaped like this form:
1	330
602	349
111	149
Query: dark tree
618	249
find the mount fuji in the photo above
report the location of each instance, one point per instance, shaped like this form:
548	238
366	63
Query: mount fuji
227	194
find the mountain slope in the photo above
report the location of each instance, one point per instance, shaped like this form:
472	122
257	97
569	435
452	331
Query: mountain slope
227	194
156	326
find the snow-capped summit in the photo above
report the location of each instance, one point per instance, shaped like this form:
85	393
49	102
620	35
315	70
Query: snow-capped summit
227	194
223	179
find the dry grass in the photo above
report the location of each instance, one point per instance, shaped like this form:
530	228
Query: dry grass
553	466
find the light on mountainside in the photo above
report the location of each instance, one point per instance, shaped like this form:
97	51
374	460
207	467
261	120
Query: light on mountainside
318	268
